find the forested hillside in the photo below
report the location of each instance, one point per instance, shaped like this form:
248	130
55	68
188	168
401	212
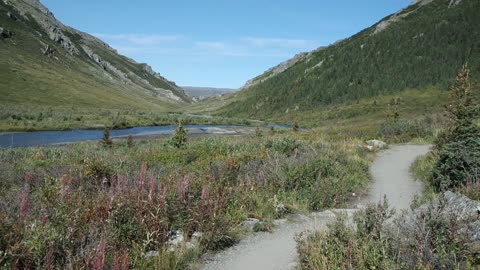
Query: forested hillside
419	47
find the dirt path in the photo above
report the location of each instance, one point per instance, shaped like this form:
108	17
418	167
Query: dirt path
277	250
391	175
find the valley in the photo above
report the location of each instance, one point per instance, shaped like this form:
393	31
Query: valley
107	164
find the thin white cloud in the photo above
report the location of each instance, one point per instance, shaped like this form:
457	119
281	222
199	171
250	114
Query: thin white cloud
139	39
178	45
277	42
214	45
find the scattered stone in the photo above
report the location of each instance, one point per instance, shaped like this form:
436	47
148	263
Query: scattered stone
48	51
324	215
281	210
376	144
4	33
190	245
250	223
196	236
175	238
151	254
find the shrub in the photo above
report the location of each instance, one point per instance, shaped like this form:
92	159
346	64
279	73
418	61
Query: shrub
458	163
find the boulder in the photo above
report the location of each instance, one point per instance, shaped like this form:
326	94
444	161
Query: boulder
175	239
281	210
4	33
376	144
250	223
449	208
48	51
151	254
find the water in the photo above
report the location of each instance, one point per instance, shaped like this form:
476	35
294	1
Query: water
44	138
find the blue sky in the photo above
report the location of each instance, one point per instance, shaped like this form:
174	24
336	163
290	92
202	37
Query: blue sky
219	43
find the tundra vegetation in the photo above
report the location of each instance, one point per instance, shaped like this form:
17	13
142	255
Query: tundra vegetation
437	237
118	206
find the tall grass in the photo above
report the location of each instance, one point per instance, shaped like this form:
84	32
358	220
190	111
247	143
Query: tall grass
84	204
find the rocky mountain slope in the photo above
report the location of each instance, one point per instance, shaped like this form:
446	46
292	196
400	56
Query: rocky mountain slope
44	62
419	47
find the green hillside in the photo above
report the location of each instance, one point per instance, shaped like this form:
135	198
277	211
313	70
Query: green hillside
420	47
44	63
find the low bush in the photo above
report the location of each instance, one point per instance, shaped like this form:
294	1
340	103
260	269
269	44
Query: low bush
81	204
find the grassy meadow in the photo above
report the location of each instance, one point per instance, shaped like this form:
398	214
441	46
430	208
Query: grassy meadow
94	205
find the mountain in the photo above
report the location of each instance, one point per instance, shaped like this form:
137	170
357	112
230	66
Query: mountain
419	47
206	92
45	63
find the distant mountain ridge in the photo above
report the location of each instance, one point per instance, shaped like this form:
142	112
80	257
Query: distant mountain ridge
40	57
420	46
205	92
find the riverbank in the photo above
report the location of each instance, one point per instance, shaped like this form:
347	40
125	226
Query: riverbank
46	138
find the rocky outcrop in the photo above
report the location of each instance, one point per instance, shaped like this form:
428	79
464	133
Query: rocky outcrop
53	28
454	3
104	64
148	69
72	46
48	51
275	71
4	33
57	35
393	19
12	16
397	17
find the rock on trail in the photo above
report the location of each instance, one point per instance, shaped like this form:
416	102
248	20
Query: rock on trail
277	250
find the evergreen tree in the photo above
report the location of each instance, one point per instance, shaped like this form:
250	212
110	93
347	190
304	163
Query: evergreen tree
180	136
106	140
130	142
459	148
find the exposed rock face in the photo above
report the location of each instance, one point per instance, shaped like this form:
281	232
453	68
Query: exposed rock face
104	64
454	3
59	37
47	21
70	45
148	69
399	16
